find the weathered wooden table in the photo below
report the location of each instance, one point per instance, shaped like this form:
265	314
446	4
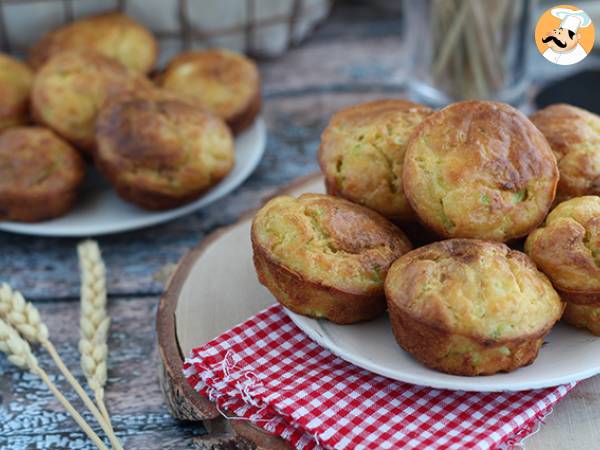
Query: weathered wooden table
340	65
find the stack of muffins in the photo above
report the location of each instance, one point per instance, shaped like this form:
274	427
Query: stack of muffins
160	141
462	182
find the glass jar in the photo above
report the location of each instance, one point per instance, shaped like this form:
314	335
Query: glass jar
468	49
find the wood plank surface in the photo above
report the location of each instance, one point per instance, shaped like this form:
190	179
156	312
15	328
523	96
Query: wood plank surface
357	55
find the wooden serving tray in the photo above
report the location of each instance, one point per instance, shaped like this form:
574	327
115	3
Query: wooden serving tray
200	303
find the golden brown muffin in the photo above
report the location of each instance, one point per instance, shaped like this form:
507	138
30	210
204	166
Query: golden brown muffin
71	88
574	135
40	174
113	35
567	249
325	257
15	85
470	307
583	316
479	170
224	82
362	154
160	153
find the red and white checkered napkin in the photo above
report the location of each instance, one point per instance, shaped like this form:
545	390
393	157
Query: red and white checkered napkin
268	371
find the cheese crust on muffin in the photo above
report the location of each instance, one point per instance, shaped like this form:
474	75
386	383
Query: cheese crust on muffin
160	152
470	307
71	88
223	82
481	170
325	257
574	135
40	174
15	86
567	249
114	35
362	154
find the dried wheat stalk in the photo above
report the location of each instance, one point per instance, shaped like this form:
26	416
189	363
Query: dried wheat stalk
94	322
19	353
25	318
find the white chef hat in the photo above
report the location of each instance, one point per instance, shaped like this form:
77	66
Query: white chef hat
571	20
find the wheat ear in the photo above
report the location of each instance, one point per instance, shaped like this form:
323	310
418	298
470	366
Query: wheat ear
94	322
25	318
19	353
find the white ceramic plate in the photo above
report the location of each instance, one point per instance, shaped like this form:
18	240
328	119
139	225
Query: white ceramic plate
101	211
568	355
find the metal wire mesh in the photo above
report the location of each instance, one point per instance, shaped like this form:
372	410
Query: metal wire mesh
258	27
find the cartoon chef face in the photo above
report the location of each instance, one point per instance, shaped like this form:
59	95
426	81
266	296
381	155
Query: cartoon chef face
561	39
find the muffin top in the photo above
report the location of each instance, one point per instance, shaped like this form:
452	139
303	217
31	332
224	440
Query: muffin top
15	85
35	160
479	170
362	154
162	144
474	288
114	35
329	241
567	247
70	89
574	135
222	81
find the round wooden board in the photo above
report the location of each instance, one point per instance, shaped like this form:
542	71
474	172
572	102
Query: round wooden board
200	303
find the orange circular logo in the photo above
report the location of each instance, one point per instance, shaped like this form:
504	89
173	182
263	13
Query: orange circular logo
564	35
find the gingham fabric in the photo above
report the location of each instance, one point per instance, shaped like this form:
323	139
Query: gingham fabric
268	371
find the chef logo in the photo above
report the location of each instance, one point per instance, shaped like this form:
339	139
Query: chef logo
564	35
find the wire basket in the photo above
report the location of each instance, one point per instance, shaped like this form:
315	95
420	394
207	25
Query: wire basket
257	27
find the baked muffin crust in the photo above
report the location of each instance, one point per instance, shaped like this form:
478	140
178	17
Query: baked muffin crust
114	35
362	154
223	82
470	307
40	174
574	135
325	257
160	152
479	170
15	86
71	88
567	249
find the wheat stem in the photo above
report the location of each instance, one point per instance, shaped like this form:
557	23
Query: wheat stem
25	318
19	353
94	323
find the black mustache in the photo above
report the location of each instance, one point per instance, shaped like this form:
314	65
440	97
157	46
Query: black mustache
556	41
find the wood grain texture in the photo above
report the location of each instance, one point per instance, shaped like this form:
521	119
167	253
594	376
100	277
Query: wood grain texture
356	56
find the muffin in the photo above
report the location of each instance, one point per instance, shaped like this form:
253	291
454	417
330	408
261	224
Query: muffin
567	249
221	81
362	154
574	135
470	307
325	257
70	89
113	35
160	153
40	174
15	86
479	170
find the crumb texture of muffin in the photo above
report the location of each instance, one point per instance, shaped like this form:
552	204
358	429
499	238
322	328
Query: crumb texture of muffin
223	82
362	154
71	88
160	153
480	170
15	86
574	135
40	174
114	35
567	249
325	257
470	307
